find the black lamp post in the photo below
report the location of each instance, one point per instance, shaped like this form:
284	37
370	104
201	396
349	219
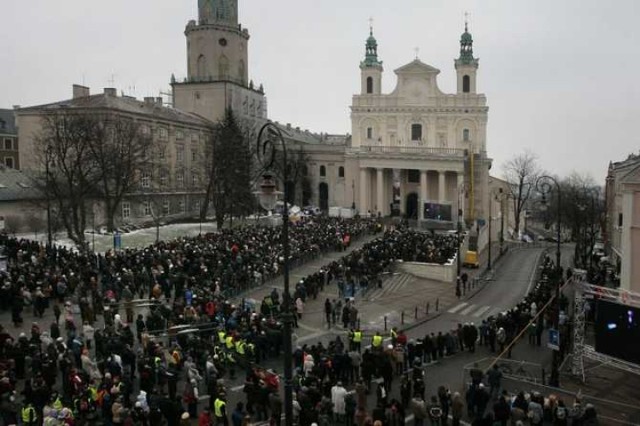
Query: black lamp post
48	189
268	137
545	185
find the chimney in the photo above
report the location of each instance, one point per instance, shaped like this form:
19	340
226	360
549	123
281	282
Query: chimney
110	91
149	100
16	107
80	91
159	102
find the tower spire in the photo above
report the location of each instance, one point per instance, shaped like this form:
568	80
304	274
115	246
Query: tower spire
371	50
466	43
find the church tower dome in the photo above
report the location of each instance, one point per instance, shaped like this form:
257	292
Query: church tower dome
371	68
466	65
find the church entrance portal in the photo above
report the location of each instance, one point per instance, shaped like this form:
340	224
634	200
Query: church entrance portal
323	195
412	206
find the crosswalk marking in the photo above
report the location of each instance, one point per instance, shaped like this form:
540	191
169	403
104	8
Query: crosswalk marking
390	286
457	308
481	311
467	310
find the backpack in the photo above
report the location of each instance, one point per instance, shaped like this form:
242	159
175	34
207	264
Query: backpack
561	413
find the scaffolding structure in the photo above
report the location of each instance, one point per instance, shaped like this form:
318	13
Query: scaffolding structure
583	293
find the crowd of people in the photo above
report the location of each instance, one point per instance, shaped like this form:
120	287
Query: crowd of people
150	369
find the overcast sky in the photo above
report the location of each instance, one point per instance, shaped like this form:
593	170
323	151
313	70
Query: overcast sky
561	77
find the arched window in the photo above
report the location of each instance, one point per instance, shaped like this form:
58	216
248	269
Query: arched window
340	172
202	66
223	68
323	171
369	84
465	135
416	132
466	84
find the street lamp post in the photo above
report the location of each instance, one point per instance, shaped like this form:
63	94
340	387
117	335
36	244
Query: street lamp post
268	137
545	185
48	190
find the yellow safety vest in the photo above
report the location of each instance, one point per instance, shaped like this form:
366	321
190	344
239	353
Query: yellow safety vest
393	334
93	393
28	414
218	407
221	336
240	347
357	336
229	341
57	404
377	341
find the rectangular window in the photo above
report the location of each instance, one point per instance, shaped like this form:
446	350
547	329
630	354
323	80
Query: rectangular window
126	210
195	137
194	153
179	135
413	176
146	208
194	181
180	180
145	181
416	132
196	206
181	206
620	219
8	161
163	133
465	135
8	144
164	178
180	154
161	154
369	132
166	207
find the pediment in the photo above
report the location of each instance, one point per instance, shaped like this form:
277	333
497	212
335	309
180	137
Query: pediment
417	67
633	176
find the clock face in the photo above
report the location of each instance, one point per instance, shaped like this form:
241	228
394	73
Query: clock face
222	42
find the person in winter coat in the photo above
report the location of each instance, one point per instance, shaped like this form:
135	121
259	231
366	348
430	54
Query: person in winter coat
457	408
338	393
419	410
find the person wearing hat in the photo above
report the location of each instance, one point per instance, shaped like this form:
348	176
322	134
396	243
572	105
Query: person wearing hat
220	410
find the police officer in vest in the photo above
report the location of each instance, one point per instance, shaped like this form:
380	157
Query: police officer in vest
357	340
220	410
28	415
376	342
394	335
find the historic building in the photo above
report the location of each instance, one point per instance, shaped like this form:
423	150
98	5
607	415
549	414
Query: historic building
415	150
172	185
622	229
9	139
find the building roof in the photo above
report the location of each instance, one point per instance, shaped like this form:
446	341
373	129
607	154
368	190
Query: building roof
8	122
309	138
16	185
125	104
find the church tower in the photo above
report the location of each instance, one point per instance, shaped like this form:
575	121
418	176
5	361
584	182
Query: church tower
217	46
371	68
466	64
217	66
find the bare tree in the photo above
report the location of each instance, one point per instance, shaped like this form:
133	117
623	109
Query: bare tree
63	148
120	150
521	173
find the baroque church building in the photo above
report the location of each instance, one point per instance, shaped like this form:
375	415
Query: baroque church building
416	152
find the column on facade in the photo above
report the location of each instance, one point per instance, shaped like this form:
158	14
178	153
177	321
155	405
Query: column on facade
364	188
380	191
423	193
460	195
442	196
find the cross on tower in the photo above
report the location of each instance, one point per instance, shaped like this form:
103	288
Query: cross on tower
417	50
466	21
371	25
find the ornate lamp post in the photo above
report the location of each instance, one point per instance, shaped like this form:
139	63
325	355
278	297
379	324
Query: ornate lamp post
268	138
545	185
